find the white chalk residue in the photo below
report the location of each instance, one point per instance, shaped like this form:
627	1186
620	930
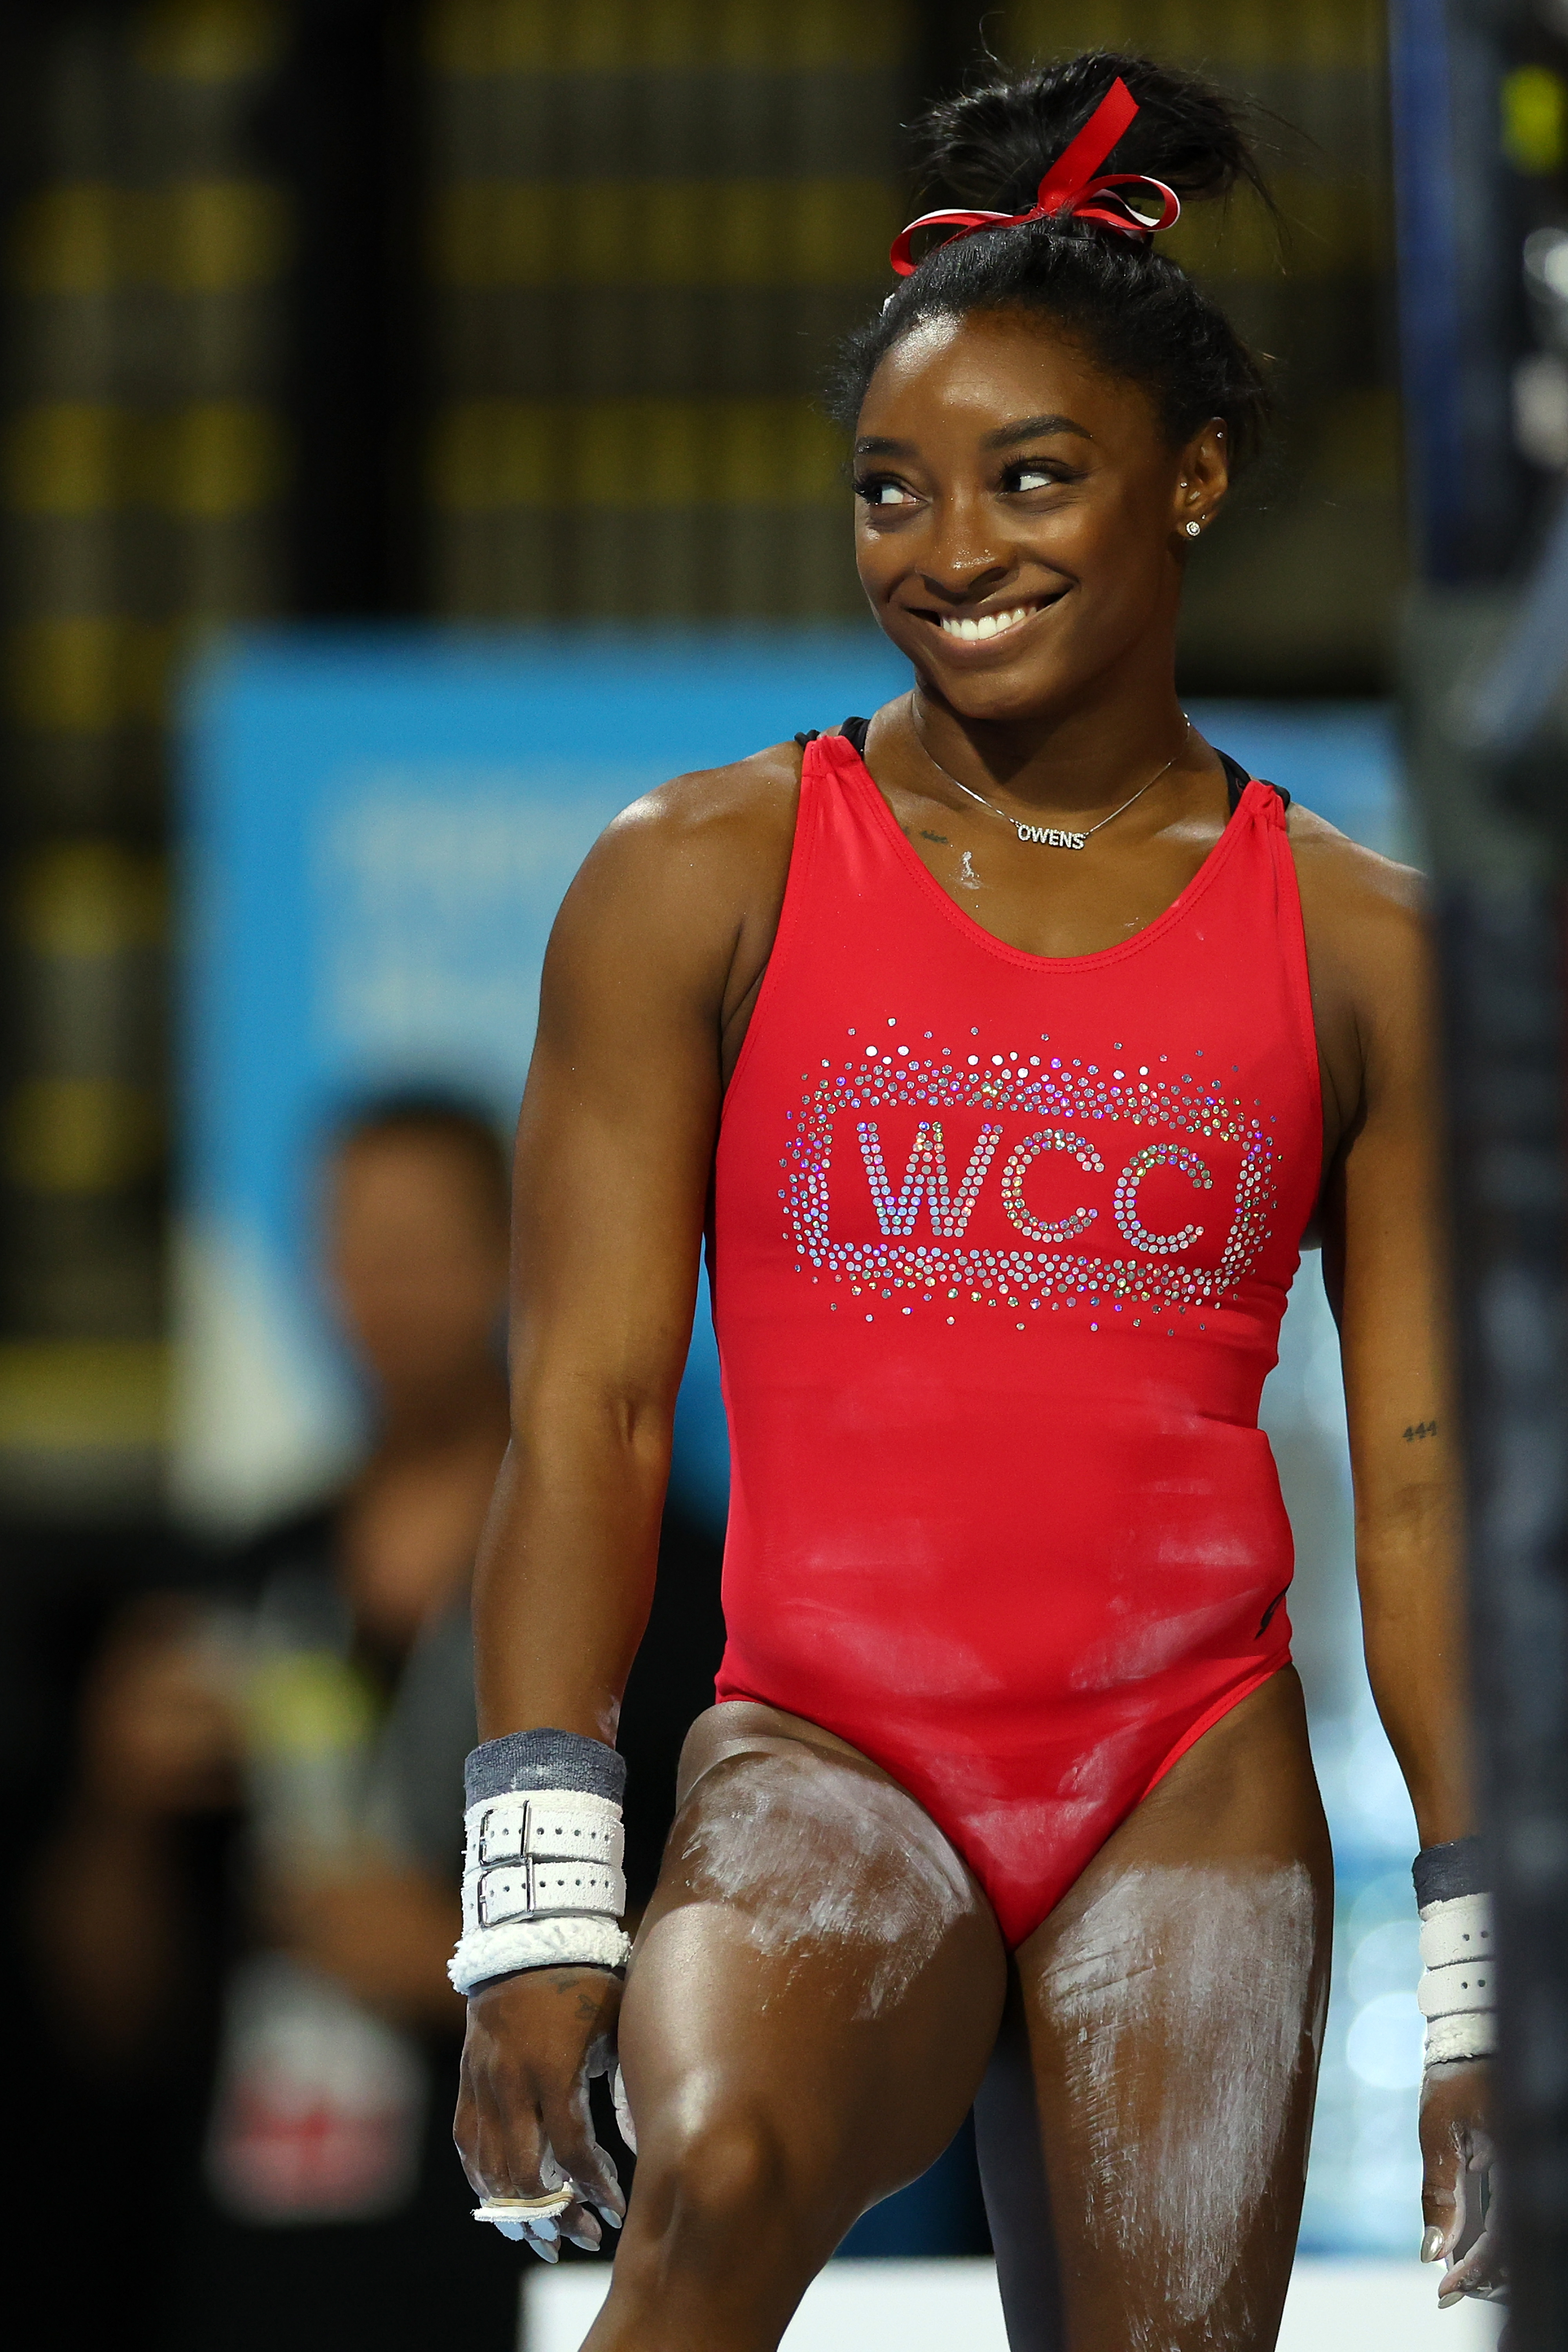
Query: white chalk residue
811	1856
1137	1649
1182	2000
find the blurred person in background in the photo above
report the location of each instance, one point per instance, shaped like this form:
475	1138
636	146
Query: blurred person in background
321	1712
259	1857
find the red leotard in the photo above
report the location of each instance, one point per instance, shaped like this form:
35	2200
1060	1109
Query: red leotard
1002	1245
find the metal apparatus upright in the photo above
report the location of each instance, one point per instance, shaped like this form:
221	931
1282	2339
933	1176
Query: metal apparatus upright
1481	114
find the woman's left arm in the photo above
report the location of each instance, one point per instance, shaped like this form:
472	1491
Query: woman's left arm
1385	1263
1385	1250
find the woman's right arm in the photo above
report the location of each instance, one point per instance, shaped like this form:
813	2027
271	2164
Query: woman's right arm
652	964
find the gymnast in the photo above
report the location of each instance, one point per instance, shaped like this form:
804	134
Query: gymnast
1006	1050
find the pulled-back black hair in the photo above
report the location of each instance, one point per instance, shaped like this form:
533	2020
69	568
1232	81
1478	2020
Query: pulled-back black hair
1134	311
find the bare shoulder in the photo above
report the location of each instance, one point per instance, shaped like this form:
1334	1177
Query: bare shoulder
714	842
1370	961
1354	902
685	886
745	809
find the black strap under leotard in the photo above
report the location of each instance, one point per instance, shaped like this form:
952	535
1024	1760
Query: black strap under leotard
855	730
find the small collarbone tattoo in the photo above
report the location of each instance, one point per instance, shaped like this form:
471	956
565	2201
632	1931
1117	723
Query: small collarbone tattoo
1420	1429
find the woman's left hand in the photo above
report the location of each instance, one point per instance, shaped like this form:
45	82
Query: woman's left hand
1457	2157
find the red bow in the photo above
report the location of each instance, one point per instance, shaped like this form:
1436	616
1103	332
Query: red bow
1068	187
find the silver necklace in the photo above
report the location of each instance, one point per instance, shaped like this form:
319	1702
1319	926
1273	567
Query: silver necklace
1050	836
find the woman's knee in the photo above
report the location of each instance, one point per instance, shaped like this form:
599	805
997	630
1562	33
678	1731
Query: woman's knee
722	2237
712	2180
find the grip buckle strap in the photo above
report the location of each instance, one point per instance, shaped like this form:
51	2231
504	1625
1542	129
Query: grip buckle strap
533	1890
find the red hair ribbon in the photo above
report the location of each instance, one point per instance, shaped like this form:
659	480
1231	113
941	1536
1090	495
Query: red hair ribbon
1070	187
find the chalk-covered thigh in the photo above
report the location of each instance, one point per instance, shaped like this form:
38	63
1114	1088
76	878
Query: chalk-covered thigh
812	2002
1170	2012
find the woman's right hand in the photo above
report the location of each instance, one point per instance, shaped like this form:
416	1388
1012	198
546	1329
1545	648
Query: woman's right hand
534	2041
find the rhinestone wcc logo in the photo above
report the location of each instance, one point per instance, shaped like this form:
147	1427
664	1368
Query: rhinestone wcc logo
891	1185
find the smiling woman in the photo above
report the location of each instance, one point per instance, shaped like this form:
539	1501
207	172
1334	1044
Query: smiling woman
1006	1159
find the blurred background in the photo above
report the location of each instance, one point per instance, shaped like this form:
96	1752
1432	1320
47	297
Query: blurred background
409	453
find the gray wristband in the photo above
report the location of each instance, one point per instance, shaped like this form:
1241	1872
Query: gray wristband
543	1760
1443	1873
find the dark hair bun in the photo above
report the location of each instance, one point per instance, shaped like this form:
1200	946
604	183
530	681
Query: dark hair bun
1127	302
992	147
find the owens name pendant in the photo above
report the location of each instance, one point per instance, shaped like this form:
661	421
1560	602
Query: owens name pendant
1049	837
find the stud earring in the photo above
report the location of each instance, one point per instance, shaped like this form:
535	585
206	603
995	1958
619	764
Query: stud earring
1194	528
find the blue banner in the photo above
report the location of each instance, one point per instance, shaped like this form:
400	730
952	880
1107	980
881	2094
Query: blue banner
378	831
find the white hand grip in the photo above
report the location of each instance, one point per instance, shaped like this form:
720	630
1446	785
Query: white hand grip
536	1890
553	1824
1466	2035
1460	1929
525	2209
584	1942
1463	1990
